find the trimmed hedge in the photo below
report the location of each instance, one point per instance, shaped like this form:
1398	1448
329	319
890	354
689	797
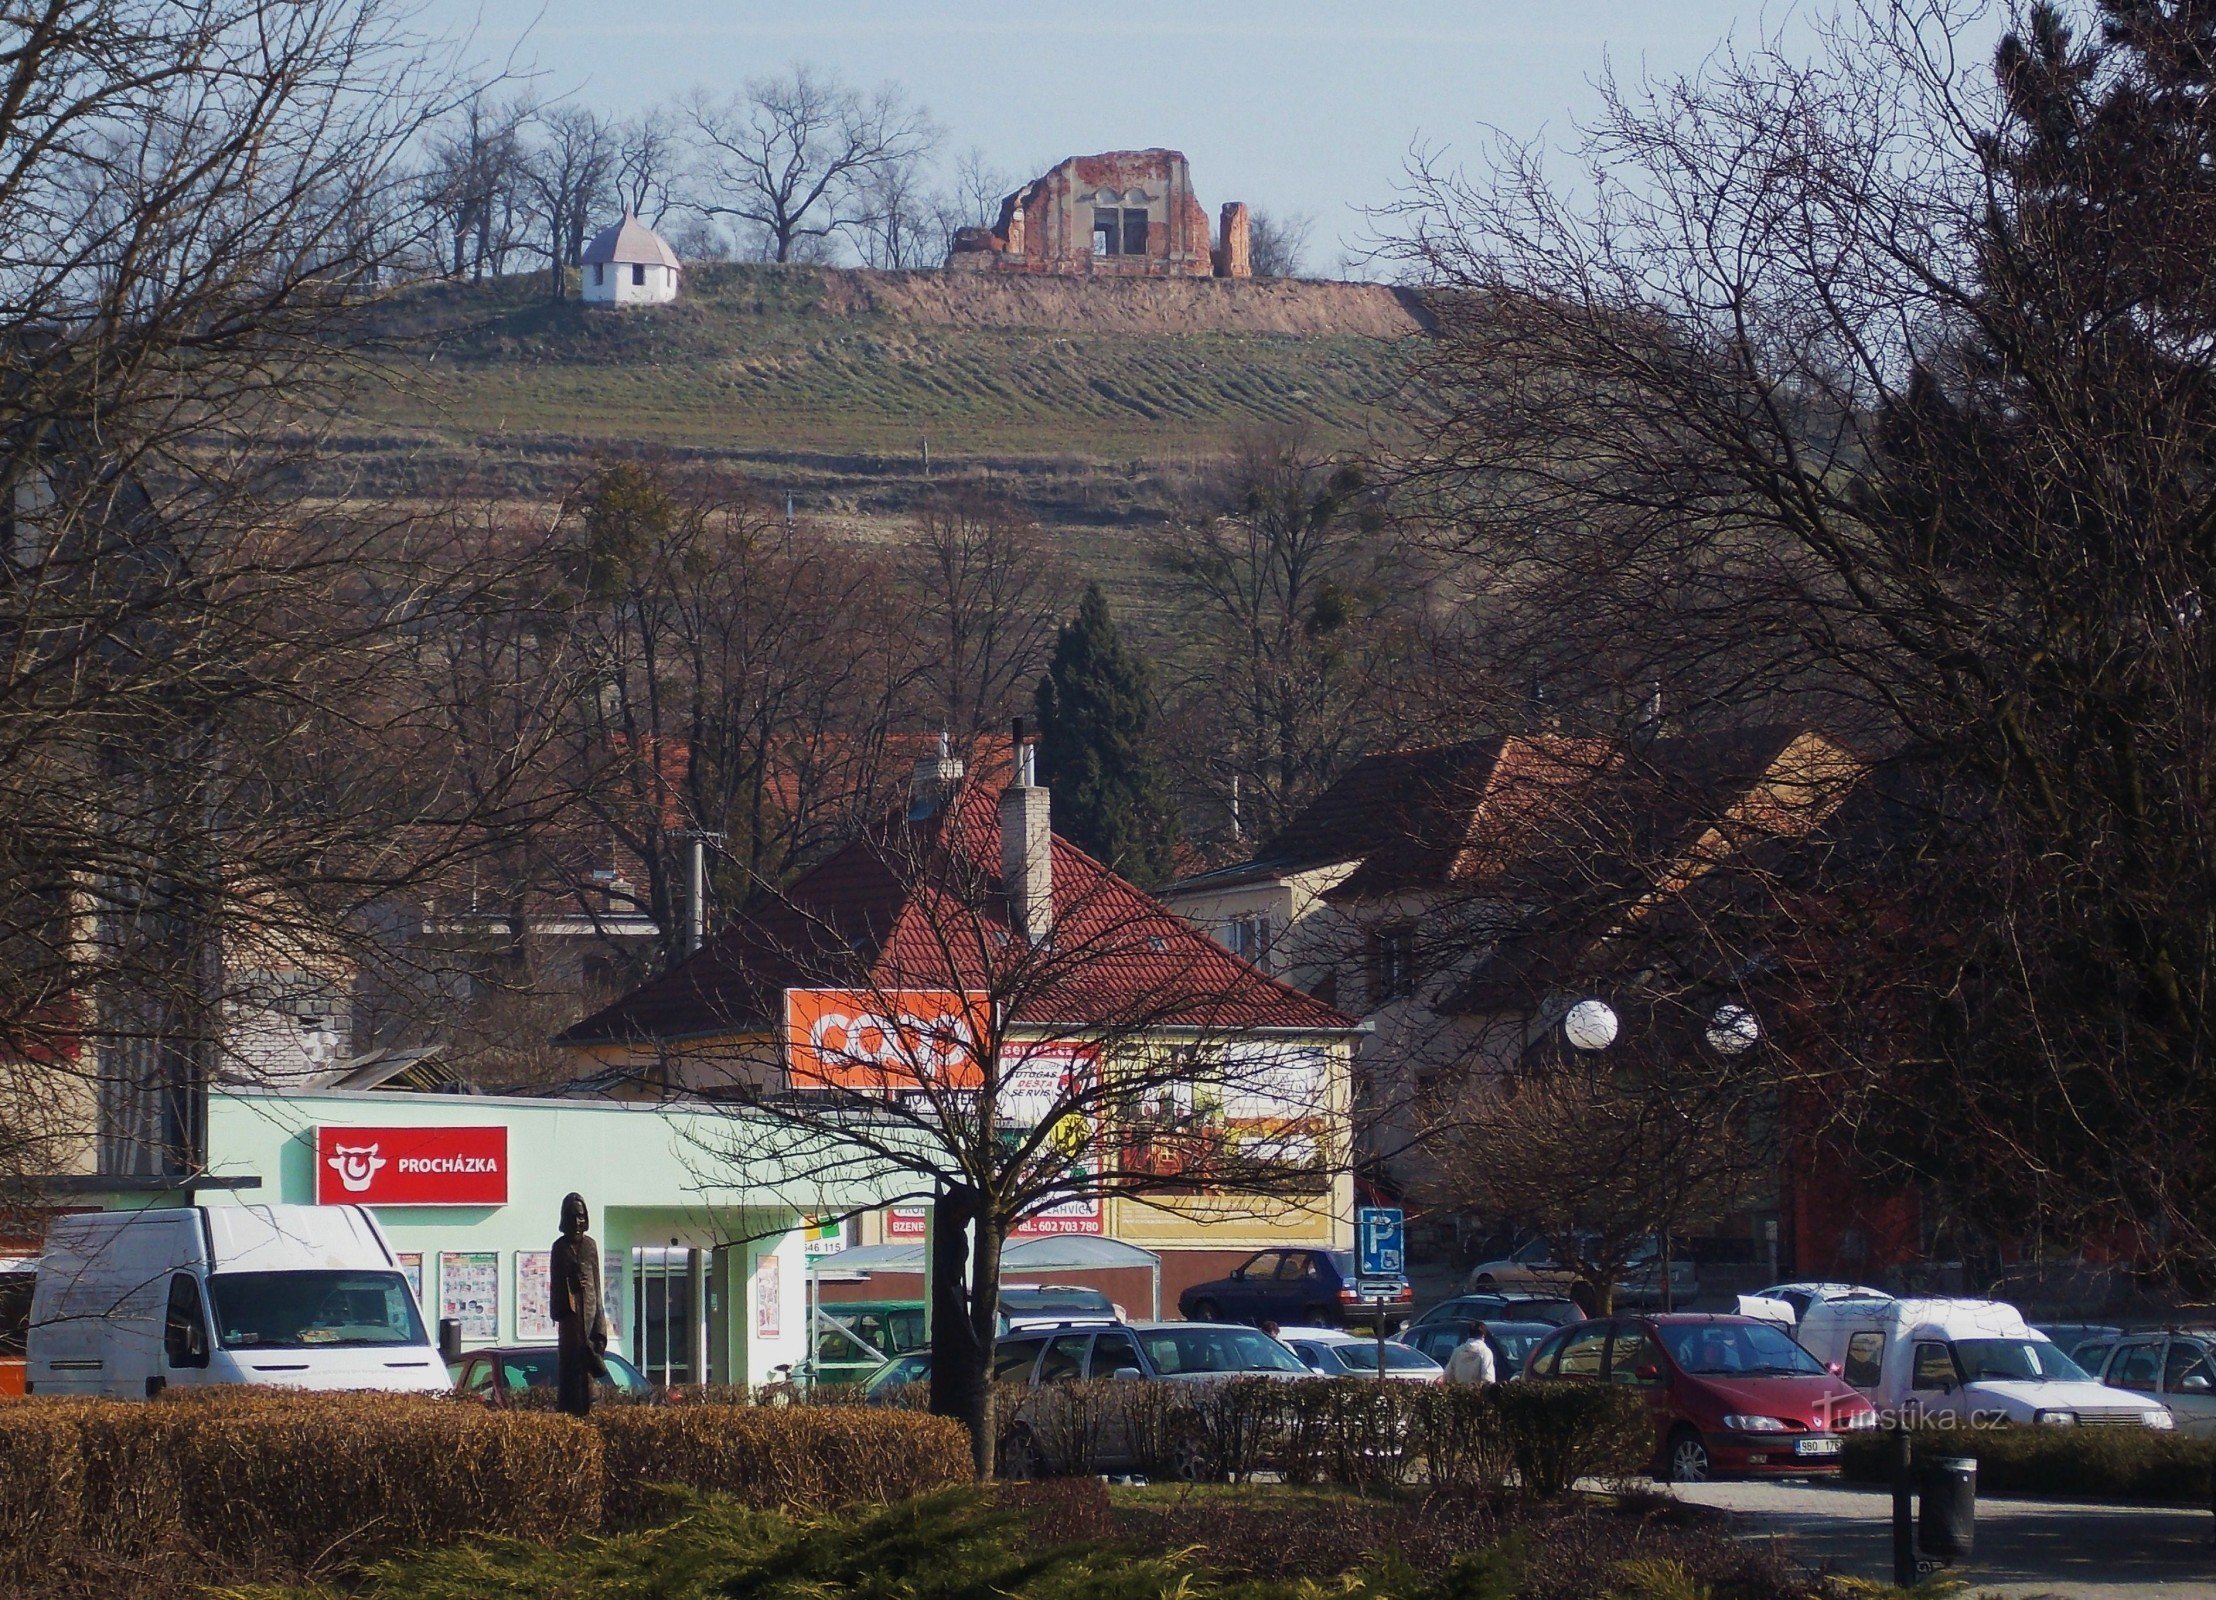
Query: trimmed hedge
1541	1437
299	1482
777	1457
2105	1463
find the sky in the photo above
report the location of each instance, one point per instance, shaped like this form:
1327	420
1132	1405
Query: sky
1307	106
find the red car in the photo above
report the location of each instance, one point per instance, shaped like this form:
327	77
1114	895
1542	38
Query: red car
1730	1395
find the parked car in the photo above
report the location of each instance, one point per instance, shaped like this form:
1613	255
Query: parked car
2086	1343
1167	1352
1530	1269
499	1374
1965	1359
1511	1342
1464	1309
18	1281
1729	1394
1089	1349
2177	1367
303	1297
1336	1353
1641	1283
1789	1302
1306	1288
853	1338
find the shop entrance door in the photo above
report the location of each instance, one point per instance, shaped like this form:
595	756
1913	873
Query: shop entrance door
665	1314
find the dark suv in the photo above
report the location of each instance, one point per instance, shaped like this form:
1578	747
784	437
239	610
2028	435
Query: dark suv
1299	1288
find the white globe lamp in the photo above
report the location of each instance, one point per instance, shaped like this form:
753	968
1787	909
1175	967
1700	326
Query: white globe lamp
1590	1025
1732	1031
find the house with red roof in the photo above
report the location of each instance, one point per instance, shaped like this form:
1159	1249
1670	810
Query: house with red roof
968	892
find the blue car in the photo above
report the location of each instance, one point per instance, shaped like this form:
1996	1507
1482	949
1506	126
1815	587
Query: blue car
1299	1288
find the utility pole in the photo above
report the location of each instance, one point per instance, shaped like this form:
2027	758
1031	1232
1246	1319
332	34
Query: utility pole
696	886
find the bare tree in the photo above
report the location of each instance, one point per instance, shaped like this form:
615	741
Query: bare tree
970	198
1277	242
476	184
1286	570
795	156
569	167
218	741
893	226
987	594
1877	389
1050	1040
646	163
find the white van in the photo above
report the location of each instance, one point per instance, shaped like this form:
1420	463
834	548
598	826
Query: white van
130	1303
1975	1360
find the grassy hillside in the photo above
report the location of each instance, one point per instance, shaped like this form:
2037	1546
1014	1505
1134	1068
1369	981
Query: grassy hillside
829	383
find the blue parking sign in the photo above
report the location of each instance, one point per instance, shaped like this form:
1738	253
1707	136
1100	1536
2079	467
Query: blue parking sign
1382	1234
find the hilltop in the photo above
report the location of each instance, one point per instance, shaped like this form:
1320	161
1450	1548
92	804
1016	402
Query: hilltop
831	383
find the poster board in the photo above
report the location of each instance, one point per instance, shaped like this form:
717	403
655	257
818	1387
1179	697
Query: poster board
769	1298
534	1307
469	1290
411	1268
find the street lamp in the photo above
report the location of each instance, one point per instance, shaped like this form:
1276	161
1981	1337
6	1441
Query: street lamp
1590	1025
1733	1031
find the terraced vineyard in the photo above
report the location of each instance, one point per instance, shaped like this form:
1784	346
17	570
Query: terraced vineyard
837	380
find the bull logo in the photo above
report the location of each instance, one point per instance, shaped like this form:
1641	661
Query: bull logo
356	1165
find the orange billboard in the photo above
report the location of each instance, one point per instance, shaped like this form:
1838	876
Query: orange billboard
884	1042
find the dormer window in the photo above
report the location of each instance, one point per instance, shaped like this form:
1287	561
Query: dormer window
1393	962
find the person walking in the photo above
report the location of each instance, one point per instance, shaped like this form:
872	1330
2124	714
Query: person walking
1471	1363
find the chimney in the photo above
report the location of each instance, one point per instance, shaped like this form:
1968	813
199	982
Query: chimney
1233	258
932	781
1027	847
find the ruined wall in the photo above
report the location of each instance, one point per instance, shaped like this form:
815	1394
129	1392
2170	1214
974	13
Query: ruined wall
1233	259
1123	214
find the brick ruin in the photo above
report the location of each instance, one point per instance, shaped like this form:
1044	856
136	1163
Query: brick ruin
1123	214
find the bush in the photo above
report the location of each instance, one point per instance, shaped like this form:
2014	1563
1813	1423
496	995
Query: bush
295	1479
1557	1433
777	1457
2106	1463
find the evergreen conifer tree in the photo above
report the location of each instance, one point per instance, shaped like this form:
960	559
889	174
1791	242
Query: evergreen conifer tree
1096	716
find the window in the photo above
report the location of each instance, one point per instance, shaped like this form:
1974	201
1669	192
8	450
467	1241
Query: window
184	1331
1581	1352
16	1289
1934	1367
1248	938
1113	1352
1134	233
2136	1366
1728	1349
1865	1361
294	1310
2188	1370
638	274
1637	1360
1012	1360
1297	1266
599	273
2031	1360
1065	1358
1393	962
477	1377
1107	232
1264	1265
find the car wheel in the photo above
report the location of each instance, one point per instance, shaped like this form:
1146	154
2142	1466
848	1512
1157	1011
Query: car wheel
1191	1462
1688	1458
1022	1458
1207	1311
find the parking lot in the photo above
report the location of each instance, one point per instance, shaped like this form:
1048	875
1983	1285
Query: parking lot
2024	1547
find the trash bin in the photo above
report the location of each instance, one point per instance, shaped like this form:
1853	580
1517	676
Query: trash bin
1946	1492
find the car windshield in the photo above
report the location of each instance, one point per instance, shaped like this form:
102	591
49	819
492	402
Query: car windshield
1174	1350
1515	1339
298	1310
2024	1360
1361	1356
912	1368
1736	1349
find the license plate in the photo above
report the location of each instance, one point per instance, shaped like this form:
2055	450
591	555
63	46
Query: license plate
1815	1447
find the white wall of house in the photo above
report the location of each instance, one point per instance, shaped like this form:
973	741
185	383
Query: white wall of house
623	283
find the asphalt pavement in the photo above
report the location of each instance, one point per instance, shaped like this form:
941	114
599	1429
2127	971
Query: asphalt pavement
2024	1547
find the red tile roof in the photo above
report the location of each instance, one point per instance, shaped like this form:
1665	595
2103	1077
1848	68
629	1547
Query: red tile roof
918	904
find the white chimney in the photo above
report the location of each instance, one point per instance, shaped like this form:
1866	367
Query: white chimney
1027	848
932	781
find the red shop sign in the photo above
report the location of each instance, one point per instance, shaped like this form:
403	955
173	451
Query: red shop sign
411	1166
